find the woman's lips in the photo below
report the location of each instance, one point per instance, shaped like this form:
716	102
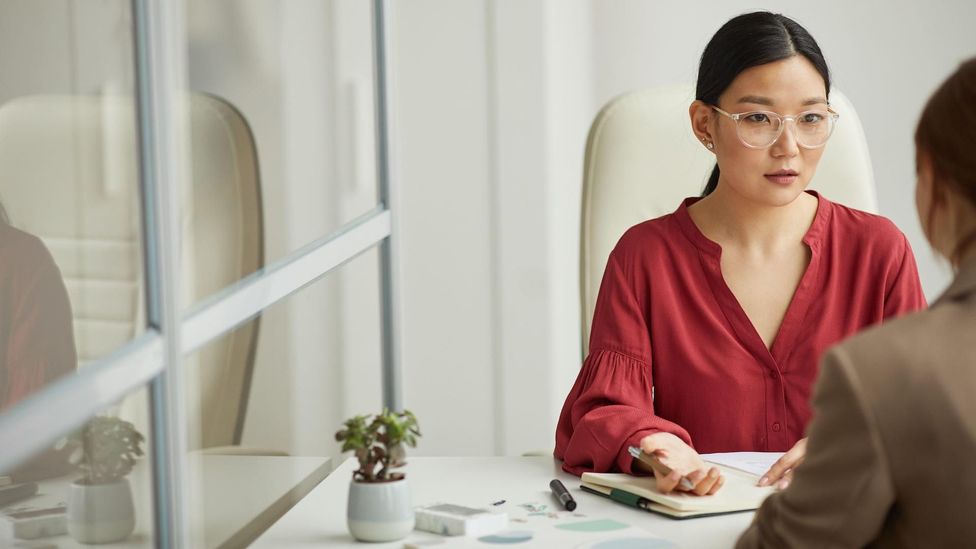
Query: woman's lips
783	177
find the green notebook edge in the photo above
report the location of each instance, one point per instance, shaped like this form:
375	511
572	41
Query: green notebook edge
644	504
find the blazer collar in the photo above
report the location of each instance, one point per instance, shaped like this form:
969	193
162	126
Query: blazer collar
963	284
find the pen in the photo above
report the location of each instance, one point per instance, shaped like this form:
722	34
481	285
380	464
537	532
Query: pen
562	494
656	465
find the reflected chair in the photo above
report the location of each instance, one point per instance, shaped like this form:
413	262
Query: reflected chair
68	174
642	160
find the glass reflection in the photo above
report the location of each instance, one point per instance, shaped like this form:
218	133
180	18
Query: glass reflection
92	486
36	340
72	281
297	81
263	404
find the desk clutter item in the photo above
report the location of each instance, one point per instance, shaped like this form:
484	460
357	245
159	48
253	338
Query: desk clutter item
562	494
603	525
507	537
642	542
592	534
448	519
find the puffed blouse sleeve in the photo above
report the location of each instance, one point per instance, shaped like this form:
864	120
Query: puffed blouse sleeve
611	406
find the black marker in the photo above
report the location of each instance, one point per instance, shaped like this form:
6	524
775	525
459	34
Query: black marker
562	494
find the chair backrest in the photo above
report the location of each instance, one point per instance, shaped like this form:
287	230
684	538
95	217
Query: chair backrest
68	175
642	160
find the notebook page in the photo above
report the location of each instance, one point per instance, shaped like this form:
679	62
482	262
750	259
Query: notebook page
754	463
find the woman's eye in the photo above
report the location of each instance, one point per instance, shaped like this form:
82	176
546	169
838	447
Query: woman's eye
812	118
758	118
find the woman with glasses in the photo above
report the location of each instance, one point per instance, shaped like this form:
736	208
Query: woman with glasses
710	320
894	430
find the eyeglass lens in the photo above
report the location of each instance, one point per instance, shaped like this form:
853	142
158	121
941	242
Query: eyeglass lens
761	129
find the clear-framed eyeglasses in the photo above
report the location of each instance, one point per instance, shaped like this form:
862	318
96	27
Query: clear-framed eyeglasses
760	129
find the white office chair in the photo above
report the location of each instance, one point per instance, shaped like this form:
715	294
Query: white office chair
642	160
68	175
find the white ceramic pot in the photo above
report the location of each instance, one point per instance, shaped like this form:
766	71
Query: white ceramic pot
101	513
379	511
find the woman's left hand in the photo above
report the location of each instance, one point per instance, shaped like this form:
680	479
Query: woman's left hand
781	473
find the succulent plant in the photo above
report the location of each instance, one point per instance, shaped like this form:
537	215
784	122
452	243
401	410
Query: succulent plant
379	442
106	449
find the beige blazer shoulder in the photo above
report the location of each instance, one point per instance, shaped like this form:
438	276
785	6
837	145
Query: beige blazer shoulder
893	439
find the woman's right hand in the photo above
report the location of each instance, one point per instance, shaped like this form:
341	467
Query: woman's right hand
683	462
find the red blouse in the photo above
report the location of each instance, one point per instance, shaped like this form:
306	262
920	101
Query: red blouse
672	350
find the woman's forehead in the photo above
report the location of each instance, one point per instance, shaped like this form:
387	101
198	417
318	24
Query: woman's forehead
790	82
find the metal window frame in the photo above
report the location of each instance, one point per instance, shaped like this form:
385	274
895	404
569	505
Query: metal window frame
154	358
390	276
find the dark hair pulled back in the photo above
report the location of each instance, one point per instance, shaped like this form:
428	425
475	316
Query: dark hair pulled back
747	41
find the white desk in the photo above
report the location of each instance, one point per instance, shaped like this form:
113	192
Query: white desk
320	518
233	498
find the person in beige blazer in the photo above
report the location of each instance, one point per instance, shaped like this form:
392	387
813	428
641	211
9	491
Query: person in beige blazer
891	454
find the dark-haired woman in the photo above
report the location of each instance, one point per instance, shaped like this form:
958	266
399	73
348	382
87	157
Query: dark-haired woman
893	438
710	321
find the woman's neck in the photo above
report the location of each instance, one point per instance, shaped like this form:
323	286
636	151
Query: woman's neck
728	218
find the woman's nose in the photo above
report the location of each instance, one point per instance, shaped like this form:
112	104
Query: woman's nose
785	144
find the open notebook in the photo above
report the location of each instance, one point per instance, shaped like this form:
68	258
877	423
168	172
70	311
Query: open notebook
739	493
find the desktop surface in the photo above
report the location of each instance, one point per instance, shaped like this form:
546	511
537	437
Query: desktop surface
320	518
234	498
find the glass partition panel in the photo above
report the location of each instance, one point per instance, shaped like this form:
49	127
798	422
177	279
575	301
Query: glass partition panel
282	137
265	400
71	261
92	486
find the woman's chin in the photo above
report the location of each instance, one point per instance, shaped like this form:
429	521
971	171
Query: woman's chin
778	196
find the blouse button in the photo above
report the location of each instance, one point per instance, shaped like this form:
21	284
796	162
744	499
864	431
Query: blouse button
776	427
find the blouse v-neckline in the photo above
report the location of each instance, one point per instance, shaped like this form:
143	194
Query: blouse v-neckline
710	255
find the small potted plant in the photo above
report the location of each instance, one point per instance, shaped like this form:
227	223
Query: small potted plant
379	506
100	506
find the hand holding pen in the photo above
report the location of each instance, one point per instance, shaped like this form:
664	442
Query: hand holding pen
685	470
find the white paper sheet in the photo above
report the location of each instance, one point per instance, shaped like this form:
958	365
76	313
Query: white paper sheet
755	463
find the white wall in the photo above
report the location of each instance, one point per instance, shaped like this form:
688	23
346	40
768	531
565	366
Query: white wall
441	105
492	102
541	72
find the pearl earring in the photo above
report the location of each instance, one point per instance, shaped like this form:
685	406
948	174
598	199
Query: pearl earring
710	146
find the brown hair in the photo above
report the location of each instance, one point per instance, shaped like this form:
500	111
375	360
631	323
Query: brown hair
946	134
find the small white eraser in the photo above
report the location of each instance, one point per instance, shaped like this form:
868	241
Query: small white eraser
448	519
